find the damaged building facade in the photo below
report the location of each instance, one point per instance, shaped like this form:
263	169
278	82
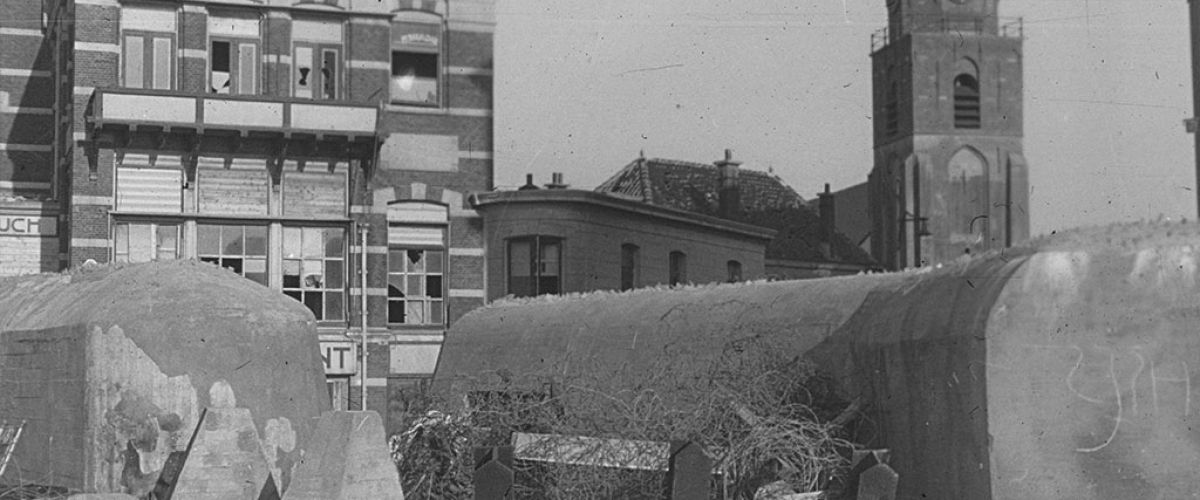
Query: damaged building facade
296	143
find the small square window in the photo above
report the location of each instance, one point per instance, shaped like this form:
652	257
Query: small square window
414	77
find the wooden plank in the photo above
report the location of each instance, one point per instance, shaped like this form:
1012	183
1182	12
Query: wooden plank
149	190
319	195
233	192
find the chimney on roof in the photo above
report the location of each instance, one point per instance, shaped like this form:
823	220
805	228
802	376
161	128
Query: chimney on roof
729	193
529	185
556	181
825	209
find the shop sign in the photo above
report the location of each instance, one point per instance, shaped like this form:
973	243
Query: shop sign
419	39
28	225
340	357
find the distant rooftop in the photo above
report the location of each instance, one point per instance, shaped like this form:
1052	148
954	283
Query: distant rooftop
766	201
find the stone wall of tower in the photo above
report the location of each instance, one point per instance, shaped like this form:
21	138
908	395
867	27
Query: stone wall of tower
941	189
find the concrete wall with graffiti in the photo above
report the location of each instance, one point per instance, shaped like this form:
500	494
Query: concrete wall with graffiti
112	368
1062	369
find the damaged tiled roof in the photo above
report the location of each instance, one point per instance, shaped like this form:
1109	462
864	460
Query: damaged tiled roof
766	202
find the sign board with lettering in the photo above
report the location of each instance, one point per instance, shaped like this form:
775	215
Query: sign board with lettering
340	356
28	225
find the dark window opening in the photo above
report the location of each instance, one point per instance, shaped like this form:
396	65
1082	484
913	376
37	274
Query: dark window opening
734	269
678	268
221	79
329	80
534	266
966	102
414	77
629	266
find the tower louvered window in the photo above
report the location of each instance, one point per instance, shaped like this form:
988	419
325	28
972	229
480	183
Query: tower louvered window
966	102
891	111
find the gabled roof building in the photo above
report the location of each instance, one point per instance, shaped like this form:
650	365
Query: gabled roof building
806	245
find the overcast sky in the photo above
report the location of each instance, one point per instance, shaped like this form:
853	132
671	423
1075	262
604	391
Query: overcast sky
583	85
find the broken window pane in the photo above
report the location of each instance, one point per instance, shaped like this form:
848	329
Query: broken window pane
396	286
314	274
220	80
329	74
256	270
291	274
416	261
303	64
414	77
234	265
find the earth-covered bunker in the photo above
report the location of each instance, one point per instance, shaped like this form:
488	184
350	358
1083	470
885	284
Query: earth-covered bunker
101	361
1063	369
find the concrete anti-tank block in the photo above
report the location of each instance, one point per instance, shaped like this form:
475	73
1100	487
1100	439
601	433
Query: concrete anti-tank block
348	460
226	460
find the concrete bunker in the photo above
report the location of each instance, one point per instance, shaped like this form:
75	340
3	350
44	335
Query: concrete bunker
113	366
1061	369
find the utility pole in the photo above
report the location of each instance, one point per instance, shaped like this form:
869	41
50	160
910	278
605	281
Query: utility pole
1194	11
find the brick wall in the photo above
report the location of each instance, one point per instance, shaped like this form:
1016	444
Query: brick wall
26	98
592	238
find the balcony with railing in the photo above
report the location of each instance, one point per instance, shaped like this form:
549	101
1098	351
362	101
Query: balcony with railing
1004	27
204	114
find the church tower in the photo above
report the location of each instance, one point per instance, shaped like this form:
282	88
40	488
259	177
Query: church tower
949	175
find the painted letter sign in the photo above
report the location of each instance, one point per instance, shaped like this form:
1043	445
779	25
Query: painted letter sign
27	225
340	357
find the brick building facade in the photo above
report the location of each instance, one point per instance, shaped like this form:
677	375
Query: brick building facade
557	240
269	137
31	191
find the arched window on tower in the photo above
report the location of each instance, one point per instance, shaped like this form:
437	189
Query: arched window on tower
966	101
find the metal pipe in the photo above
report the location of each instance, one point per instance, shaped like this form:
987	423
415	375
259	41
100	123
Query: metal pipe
363	228
1194	11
